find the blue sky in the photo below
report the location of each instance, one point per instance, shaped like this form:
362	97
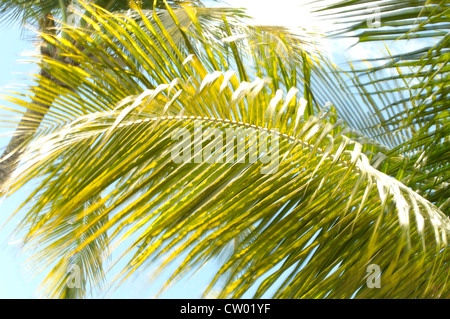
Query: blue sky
12	277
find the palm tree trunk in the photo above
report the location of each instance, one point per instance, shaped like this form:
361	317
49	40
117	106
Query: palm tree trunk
28	125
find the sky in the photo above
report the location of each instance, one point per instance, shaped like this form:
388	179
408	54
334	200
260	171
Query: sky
15	281
12	282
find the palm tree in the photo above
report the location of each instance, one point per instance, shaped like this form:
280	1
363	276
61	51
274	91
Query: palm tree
347	192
